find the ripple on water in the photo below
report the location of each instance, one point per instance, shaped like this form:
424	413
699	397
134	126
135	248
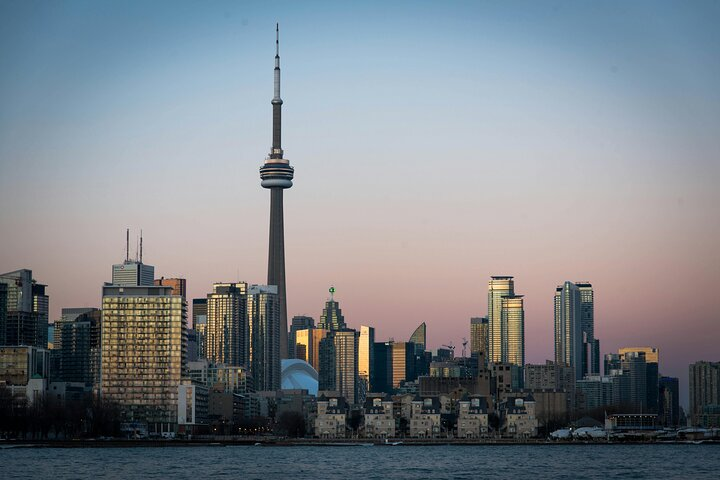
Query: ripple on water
368	463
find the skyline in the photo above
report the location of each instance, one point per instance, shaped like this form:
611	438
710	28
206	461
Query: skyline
114	109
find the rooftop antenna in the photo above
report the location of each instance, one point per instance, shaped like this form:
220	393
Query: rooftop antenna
332	294
141	245
137	249
127	245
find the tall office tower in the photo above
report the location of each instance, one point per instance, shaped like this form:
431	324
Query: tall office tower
506	322
199	324
277	175
652	360
332	318
669	401
479	335
568	328
3	311
143	352
381	375
227	338
299	322
704	382
327	363
635	366
345	344
26	315
403	363
132	272
41	312
192	345
76	346
419	338
199	311
513	317
263	314
366	356
591	346
307	345
179	285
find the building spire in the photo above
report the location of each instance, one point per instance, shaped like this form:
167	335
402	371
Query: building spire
277	151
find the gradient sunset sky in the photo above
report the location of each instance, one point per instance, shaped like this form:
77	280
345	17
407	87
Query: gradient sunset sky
434	143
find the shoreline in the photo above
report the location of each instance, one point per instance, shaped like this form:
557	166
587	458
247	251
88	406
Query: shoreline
286	442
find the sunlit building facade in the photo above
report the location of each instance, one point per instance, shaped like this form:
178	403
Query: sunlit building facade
366	356
299	322
179	285
346	364
143	352
403	362
227	329
513	317
498	288
307	345
132	272
479	335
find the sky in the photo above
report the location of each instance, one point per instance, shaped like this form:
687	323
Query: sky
434	143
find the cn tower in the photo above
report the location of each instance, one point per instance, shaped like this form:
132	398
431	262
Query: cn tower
277	175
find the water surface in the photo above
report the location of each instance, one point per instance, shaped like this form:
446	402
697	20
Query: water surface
368	463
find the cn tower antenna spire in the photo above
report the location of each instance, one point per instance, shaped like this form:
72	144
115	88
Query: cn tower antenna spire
277	151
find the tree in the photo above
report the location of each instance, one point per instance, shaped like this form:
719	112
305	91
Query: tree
291	423
355	420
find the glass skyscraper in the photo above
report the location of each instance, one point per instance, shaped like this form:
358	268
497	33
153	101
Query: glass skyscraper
591	346
419	338
568	328
479	335
24	318
332	317
299	322
77	346
366	355
263	313
506	322
227	330
499	287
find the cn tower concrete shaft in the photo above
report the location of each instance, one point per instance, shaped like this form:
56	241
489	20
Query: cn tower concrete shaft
276	262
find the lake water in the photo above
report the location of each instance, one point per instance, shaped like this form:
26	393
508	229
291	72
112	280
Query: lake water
377	462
